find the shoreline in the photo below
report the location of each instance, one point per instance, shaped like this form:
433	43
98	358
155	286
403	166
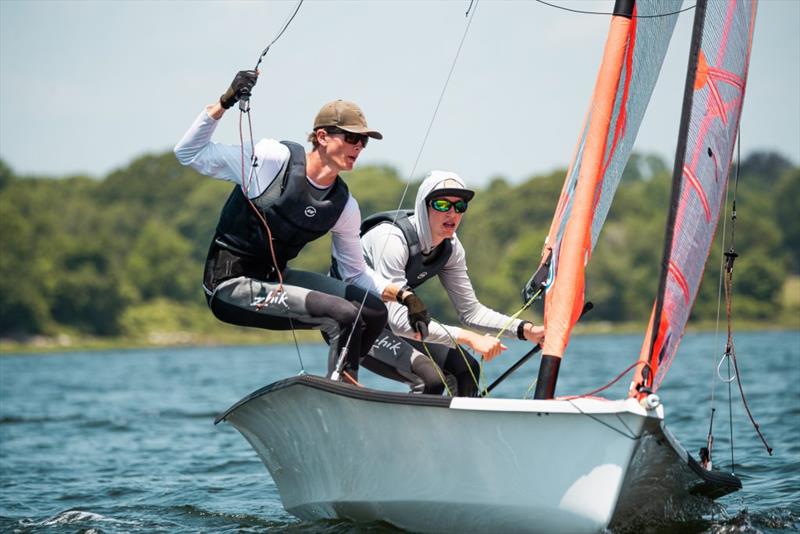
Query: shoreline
66	343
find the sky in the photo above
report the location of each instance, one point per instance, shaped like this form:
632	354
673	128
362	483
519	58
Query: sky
86	87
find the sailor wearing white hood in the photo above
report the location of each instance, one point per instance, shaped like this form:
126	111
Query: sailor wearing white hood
410	252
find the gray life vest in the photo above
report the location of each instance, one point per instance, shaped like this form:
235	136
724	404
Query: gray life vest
419	267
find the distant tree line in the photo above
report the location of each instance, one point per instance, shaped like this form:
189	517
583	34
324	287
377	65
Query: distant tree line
88	256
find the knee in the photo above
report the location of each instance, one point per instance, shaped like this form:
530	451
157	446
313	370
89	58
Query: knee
431	377
374	315
380	315
323	305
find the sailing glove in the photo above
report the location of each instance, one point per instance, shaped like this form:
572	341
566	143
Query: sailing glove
240	87
418	314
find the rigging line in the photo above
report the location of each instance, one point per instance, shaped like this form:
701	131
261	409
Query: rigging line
730	349
528	392
719	295
285	25
747	407
246	193
598	390
469	7
518	313
720	287
623	423
244	108
730	408
658	15
297	346
736	188
416	162
439	370
262	219
475	380
631	436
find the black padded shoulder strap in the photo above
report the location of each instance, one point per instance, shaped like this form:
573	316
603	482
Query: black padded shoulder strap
418	267
397	217
296	166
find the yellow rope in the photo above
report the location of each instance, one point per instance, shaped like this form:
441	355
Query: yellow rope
482	391
514	317
518	313
438	369
460	351
524	397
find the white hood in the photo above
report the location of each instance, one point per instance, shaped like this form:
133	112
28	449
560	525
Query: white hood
435	180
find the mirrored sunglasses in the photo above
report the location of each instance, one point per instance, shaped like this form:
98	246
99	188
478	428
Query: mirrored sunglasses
443	205
349	137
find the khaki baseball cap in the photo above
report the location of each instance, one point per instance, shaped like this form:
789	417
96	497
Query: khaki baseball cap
346	116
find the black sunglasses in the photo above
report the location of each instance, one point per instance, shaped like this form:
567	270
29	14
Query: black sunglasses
349	137
443	205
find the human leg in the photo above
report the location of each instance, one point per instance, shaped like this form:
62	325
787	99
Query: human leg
304	301
406	360
359	314
466	370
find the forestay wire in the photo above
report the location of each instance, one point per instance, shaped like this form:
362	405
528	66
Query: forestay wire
586	12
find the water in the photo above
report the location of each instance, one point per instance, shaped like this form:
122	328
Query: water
124	441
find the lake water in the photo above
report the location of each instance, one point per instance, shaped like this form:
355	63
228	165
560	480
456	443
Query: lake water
124	441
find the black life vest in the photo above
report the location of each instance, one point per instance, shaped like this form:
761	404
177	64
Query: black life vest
294	215
419	267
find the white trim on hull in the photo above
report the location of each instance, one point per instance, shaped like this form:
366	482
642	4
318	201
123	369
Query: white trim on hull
433	464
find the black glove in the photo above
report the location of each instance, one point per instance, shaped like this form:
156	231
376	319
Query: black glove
418	314
240	87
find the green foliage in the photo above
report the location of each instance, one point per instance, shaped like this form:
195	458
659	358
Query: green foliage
160	264
764	168
6	174
787	206
642	167
124	255
89	296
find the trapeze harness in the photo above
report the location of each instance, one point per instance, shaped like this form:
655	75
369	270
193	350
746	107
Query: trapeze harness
242	281
296	217
391	355
419	267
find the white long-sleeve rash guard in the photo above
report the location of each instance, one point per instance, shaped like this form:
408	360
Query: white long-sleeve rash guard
225	163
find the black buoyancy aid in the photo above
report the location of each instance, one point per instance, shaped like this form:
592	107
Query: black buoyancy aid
419	267
295	218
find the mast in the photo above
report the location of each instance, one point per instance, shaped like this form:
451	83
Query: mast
565	297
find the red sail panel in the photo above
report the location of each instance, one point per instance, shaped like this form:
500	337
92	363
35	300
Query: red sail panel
632	60
715	90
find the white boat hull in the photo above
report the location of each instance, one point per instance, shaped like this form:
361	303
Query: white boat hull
434	464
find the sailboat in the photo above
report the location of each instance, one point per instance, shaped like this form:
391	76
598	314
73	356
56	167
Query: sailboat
547	464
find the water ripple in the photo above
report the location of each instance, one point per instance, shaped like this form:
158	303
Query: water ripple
137	451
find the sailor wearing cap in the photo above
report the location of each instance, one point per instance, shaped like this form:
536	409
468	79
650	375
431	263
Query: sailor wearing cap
288	199
409	249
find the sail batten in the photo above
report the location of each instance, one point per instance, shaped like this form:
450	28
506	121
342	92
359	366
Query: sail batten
712	108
